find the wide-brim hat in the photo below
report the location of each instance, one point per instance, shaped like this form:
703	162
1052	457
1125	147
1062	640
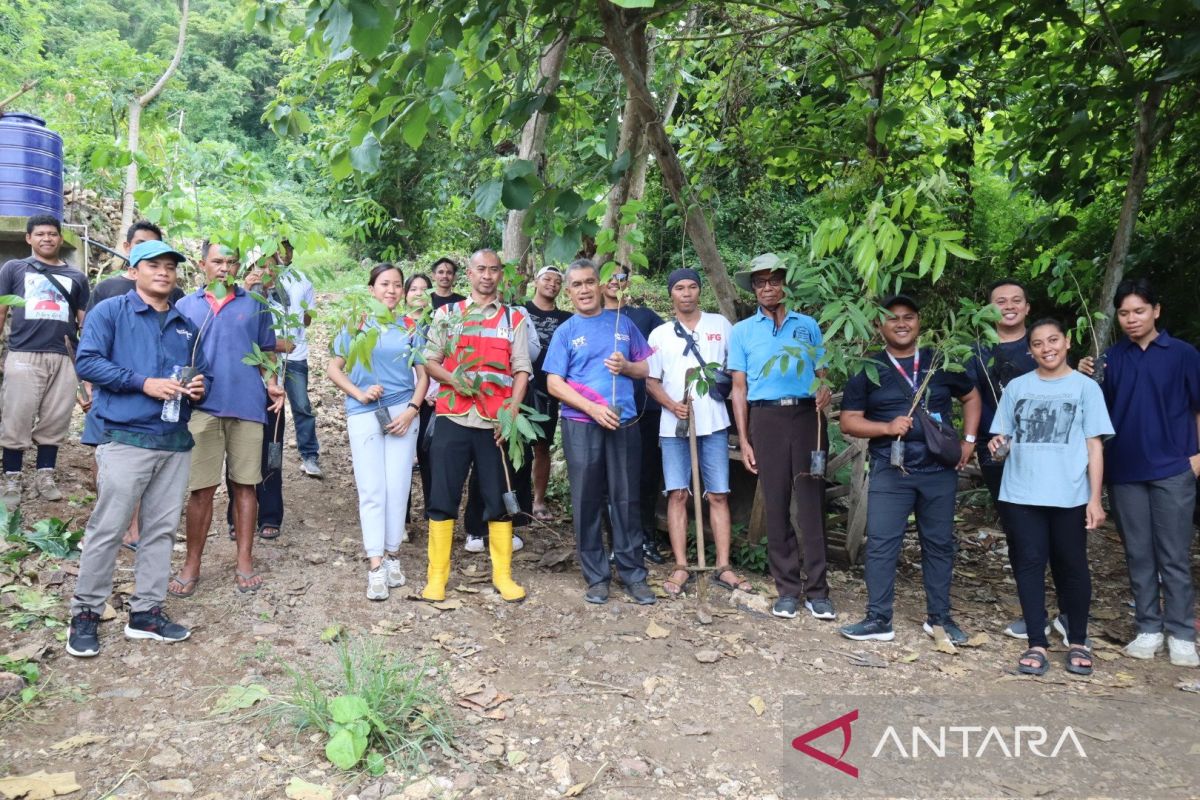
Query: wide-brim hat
767	262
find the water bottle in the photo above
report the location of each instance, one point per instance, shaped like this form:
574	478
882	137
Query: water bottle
170	409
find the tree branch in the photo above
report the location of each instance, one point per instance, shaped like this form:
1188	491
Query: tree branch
157	88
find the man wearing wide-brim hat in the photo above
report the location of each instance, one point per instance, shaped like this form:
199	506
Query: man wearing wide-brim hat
778	414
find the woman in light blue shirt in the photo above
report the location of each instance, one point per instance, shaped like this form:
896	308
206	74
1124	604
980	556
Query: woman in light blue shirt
1050	424
383	398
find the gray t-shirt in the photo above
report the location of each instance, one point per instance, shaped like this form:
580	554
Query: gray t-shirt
1048	423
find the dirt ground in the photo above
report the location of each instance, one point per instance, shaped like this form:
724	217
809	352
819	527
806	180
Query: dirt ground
634	702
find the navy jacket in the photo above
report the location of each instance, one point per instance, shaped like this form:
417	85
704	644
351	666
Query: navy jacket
123	344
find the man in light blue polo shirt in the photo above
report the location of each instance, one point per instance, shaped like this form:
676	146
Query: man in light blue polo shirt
778	413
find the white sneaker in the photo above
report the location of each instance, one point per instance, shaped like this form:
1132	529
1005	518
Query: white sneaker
377	585
475	544
395	575
1145	646
518	543
1183	652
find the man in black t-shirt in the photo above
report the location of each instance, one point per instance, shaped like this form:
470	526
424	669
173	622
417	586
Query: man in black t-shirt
546	317
40	380
444	271
883	413
117	285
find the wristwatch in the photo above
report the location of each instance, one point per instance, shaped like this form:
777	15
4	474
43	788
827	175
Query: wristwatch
416	407
970	438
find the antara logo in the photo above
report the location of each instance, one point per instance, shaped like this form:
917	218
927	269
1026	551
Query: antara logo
842	723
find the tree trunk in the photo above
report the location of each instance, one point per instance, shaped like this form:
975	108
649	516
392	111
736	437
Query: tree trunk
516	240
619	41
1146	137
877	149
136	107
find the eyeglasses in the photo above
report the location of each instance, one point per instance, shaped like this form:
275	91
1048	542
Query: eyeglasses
620	277
762	283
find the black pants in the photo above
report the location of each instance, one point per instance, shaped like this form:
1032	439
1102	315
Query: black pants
424	467
522	483
455	449
1042	534
270	489
601	461
647	496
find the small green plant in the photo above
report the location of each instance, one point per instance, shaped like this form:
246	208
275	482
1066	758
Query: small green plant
51	536
29	671
31	607
375	708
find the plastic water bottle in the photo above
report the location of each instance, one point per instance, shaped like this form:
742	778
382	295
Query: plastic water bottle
170	409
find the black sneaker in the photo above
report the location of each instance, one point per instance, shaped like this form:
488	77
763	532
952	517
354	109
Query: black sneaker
821	608
641	593
953	632
154	624
651	552
786	607
869	628
597	593
82	639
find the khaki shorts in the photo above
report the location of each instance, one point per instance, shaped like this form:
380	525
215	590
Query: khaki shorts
221	441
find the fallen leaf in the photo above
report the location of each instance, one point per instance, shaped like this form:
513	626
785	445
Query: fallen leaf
865	659
758	705
1106	655
108	613
78	741
978	640
465	589
908	658
448	605
39	785
656	631
332	633
577	789
941	642
299	789
953	670
516	757
29	652
1124	677
236	697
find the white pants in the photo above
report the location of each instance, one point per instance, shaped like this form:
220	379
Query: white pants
383	473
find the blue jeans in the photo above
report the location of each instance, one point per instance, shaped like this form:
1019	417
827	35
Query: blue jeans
296	386
892	496
713	452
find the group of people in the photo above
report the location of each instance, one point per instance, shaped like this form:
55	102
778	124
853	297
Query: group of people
440	378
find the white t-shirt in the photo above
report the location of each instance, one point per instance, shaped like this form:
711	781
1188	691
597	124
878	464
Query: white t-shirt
669	364
300	297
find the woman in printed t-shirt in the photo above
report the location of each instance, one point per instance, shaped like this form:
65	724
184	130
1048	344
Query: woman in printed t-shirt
382	404
1052	421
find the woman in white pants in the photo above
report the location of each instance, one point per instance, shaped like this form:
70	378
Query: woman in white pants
381	422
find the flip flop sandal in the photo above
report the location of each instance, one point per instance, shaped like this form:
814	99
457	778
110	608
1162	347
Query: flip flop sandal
262	532
1081	653
716	579
189	587
1033	655
543	514
680	587
247	576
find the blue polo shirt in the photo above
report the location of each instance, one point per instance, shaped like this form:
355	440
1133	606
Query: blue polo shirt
1153	396
125	342
237	391
756	340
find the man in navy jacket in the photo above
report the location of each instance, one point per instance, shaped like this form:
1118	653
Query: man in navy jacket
131	351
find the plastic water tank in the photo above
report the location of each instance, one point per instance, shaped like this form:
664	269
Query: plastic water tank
31	167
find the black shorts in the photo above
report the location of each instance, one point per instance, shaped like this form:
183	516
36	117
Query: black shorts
547	405
455	448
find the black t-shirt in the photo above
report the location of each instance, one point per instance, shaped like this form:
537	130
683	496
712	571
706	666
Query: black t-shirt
40	325
546	323
645	320
119	285
439	301
892	398
990	369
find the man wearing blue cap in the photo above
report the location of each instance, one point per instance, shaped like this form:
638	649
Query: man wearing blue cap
130	348
694	339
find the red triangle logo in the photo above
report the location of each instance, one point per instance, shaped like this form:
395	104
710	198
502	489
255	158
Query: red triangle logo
842	723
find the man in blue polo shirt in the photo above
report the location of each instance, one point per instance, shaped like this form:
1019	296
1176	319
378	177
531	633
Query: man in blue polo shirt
228	424
142	458
777	414
590	366
1152	387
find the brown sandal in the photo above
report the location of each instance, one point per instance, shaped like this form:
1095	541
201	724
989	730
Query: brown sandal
674	587
738	583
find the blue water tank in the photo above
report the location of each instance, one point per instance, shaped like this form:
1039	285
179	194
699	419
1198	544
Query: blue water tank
31	167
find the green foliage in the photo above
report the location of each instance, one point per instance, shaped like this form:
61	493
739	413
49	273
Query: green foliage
52	537
375	708
28	607
31	673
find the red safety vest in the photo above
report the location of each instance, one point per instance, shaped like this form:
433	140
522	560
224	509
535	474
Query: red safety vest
487	345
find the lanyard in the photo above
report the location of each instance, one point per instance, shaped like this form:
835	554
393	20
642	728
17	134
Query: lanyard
911	381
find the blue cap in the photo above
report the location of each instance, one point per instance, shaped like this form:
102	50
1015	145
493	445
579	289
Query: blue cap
153	249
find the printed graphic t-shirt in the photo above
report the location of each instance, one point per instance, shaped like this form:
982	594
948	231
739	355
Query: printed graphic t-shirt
47	316
1048	423
577	353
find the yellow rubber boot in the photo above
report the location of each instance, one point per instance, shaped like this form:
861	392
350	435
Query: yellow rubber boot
500	544
441	537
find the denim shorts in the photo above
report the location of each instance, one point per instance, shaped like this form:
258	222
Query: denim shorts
713	451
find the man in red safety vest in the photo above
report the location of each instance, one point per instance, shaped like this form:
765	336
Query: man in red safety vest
478	349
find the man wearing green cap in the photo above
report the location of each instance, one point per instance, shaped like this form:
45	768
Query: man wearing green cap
778	416
130	349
